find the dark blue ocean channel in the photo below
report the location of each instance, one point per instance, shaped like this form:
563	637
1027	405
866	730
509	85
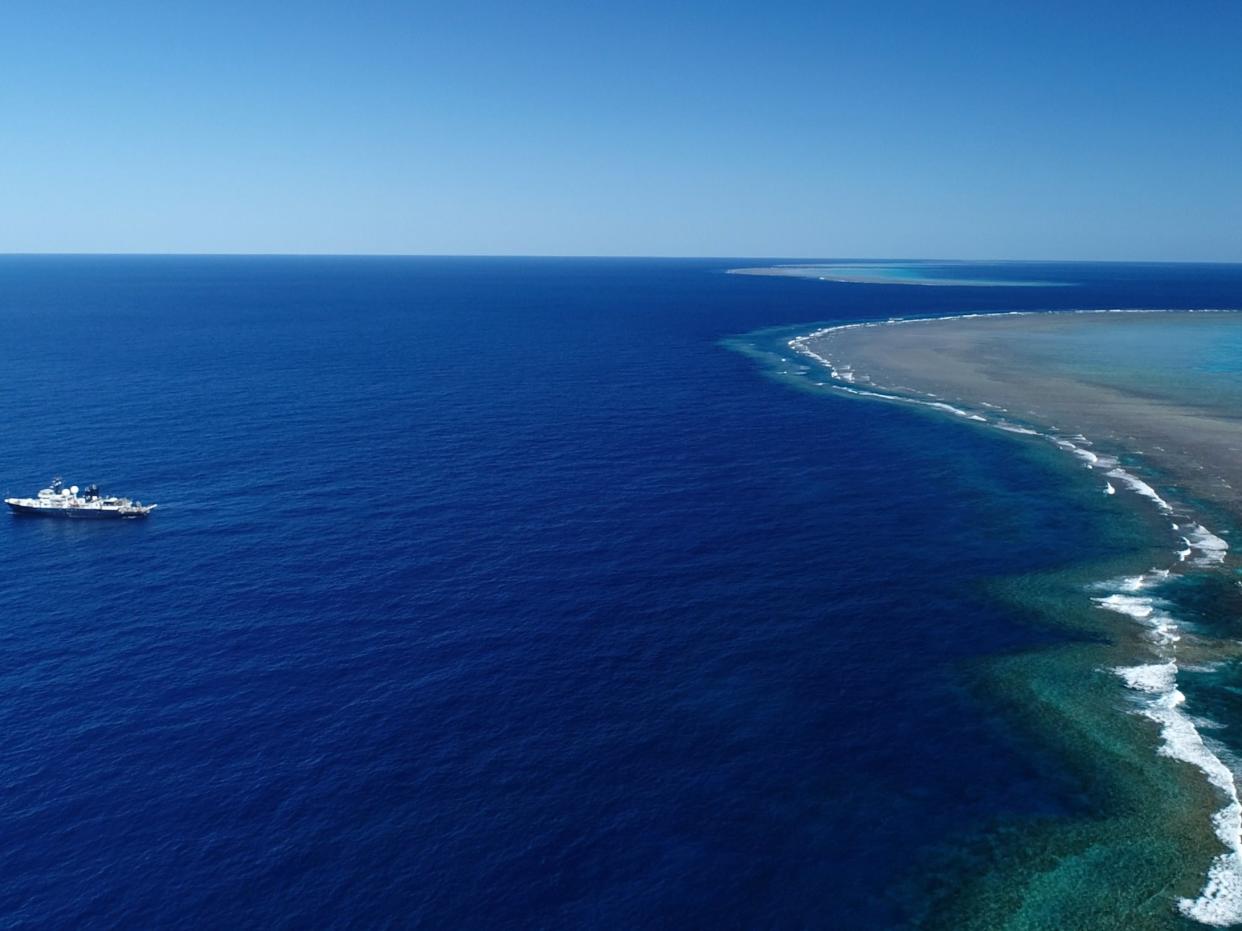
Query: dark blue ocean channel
498	593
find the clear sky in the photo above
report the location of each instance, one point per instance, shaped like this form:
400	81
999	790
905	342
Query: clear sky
885	129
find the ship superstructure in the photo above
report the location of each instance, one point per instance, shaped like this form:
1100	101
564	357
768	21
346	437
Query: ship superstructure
58	501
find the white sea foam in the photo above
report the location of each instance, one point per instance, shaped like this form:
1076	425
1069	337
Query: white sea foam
956	411
1014	428
1220	902
1085	455
1137	484
1211	548
1135	606
1149	578
1154	678
1149	611
1076	445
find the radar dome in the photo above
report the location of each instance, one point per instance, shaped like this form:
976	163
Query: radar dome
73	489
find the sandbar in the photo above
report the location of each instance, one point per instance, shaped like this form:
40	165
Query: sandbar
1052	371
930	274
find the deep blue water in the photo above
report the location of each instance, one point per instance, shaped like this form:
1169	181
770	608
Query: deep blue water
496	593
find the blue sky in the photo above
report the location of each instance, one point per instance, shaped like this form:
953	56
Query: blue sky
911	129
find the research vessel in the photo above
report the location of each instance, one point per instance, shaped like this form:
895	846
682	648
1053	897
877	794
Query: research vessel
58	501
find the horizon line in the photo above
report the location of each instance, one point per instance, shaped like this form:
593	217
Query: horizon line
620	257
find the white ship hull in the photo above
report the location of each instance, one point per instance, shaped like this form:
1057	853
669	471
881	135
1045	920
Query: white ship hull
31	508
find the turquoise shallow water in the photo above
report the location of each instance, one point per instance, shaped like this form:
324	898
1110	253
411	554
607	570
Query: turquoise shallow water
1194	359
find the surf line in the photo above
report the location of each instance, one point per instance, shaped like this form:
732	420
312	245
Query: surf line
1160	700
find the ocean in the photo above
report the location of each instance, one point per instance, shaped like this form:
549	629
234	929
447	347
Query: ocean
507	593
